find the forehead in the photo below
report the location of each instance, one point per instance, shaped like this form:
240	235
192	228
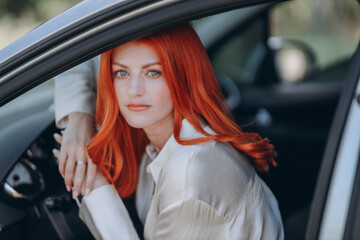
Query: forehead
134	51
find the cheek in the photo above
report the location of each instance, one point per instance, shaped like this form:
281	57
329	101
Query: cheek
163	98
119	90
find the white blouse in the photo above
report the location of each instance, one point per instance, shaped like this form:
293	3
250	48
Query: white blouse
203	191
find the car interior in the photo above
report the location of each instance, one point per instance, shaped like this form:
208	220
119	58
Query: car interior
295	115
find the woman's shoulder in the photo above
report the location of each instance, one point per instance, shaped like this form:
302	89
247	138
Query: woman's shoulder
217	175
214	159
212	172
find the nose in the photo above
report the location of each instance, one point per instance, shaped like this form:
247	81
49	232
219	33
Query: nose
136	86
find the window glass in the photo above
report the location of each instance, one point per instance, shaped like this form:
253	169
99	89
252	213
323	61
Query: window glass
239	53
35	100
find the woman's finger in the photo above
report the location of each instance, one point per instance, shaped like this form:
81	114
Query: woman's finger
56	153
78	179
63	159
79	173
69	171
90	176
58	138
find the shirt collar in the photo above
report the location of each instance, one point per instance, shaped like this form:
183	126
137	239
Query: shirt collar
159	160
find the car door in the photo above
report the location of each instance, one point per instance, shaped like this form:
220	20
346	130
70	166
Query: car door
335	208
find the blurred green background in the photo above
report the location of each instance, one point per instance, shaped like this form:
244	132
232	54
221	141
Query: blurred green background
330	27
18	17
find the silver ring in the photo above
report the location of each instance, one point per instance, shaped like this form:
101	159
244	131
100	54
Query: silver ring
80	162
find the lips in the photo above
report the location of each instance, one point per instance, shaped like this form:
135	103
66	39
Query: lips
137	107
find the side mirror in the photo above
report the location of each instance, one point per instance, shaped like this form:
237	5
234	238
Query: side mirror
294	60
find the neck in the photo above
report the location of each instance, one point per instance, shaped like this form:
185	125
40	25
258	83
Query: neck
159	134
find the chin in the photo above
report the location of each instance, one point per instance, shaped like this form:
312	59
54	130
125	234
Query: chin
137	123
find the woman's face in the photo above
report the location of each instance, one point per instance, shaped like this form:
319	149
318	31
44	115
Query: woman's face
141	89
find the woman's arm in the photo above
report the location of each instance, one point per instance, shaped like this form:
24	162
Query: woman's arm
75	100
75	91
105	214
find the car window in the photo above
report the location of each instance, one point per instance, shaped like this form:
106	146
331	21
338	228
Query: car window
35	100
240	53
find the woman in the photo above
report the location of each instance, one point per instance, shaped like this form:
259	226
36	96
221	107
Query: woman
165	132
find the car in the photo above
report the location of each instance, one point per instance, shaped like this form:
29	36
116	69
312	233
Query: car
311	116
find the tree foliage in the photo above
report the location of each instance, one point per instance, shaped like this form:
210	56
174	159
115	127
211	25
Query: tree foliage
17	8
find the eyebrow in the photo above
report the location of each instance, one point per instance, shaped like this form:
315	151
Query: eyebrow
143	66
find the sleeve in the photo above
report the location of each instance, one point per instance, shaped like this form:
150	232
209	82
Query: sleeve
191	219
106	216
259	217
75	91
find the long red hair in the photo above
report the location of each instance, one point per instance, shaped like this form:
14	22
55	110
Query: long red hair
117	148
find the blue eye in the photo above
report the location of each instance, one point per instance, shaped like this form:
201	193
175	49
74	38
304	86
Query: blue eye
153	73
121	74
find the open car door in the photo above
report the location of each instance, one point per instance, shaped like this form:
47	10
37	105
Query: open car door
335	211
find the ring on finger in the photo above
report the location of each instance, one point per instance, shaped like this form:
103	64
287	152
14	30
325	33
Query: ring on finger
80	162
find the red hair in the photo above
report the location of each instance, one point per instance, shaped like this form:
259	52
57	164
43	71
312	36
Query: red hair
118	148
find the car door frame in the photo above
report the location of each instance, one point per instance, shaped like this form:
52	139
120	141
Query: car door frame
60	51
336	161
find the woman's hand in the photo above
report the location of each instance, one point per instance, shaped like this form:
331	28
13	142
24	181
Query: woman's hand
99	179
74	161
